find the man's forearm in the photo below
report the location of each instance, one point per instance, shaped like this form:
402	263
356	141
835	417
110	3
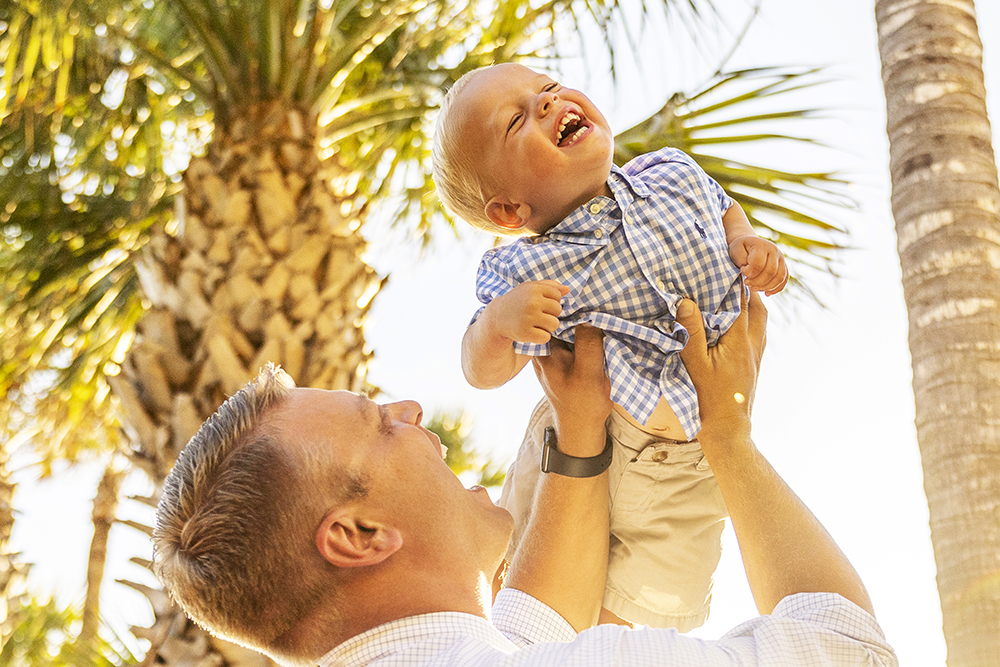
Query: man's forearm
784	547
563	557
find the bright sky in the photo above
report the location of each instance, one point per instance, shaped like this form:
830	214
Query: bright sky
834	404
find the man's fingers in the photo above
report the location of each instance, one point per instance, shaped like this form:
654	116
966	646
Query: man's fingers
695	352
589	345
757	323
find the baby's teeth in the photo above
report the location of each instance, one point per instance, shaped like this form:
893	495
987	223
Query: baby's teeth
566	120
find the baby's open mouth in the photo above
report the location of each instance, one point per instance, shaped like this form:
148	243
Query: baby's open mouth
571	128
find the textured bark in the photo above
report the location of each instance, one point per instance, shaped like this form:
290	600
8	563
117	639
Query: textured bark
946	203
12	572
105	505
264	265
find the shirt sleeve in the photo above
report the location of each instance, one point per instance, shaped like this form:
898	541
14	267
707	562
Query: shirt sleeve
525	620
804	629
495	278
805	626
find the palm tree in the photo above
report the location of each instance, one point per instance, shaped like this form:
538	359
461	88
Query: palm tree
946	203
186	184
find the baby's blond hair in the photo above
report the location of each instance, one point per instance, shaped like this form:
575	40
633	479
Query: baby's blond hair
460	185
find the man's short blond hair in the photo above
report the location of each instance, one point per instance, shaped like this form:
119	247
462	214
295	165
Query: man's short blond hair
460	185
234	542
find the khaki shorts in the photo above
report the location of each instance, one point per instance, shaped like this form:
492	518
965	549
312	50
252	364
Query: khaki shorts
667	517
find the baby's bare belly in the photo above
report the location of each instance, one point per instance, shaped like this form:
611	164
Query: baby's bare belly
662	423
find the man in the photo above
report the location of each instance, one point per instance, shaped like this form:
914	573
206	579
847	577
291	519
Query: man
320	527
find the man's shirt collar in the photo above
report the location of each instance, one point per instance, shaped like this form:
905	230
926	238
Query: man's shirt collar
436	631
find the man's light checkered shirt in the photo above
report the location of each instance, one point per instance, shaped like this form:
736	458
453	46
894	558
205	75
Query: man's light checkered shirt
804	629
628	262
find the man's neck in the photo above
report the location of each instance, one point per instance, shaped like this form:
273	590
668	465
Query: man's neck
366	607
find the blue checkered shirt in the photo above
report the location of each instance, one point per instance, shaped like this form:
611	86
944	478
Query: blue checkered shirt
628	262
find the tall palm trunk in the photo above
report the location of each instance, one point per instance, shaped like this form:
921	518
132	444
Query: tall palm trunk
264	265
12	572
946	203
105	505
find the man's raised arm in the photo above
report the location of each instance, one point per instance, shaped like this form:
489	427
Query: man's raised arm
784	547
563	558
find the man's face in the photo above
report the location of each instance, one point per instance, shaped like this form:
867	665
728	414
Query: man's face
541	144
402	464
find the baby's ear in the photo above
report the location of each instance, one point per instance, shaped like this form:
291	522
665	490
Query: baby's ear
507	214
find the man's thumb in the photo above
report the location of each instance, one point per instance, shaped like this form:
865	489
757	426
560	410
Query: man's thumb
689	317
589	342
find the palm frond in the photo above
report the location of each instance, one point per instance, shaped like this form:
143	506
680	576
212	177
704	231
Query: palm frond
69	298
43	636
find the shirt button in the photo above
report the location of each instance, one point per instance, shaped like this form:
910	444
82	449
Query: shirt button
599	233
659	284
595	208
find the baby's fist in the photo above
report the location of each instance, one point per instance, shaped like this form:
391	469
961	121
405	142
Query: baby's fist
761	262
529	312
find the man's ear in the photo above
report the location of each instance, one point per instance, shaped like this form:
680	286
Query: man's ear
507	214
347	541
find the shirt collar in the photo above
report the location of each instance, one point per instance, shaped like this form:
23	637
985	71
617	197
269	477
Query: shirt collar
625	186
441	628
595	220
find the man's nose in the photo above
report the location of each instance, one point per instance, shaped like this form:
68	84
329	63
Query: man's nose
406	411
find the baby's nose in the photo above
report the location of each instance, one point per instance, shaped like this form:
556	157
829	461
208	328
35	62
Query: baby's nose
545	102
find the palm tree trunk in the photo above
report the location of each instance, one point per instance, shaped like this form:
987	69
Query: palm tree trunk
946	203
105	506
265	264
12	572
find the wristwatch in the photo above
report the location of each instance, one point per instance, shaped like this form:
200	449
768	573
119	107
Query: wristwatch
572	466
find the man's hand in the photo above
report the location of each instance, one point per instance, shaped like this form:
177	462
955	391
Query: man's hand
761	262
725	376
575	383
528	313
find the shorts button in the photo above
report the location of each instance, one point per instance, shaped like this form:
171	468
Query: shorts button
659	457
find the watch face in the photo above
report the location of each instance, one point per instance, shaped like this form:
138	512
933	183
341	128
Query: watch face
548	446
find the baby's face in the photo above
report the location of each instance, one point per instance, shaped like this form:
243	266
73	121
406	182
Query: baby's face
542	145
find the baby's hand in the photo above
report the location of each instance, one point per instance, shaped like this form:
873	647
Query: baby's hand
761	262
529	313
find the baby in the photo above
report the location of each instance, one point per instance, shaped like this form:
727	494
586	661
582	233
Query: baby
515	153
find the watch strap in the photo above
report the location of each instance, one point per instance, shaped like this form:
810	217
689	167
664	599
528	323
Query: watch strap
572	466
